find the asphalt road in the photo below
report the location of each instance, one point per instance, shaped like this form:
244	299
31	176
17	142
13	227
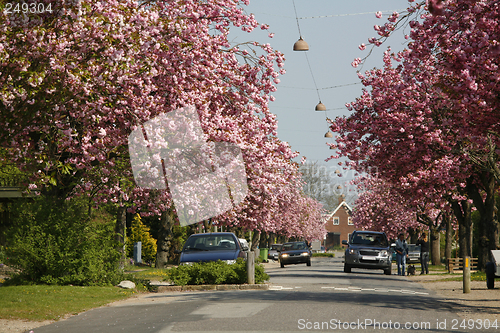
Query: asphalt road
317	298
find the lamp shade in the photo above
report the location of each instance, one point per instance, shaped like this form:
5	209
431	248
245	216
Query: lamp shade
328	135
300	45
320	107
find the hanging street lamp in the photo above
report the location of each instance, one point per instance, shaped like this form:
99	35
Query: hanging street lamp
320	107
301	45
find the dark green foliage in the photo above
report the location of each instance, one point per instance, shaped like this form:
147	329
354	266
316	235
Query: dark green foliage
56	242
214	272
140	233
326	254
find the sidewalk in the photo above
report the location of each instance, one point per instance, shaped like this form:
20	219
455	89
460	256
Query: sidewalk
481	303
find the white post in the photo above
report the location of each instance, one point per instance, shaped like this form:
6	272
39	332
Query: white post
251	267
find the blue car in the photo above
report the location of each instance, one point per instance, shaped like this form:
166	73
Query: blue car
213	246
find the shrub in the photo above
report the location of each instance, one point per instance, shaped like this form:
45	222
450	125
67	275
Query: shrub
214	272
56	242
326	254
140	233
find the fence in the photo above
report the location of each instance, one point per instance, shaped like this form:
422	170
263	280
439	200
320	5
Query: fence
458	264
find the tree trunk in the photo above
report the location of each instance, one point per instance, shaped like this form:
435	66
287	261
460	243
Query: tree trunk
413	235
120	228
271	240
434	235
255	240
462	211
435	245
449	237
164	243
207	226
488	237
264	238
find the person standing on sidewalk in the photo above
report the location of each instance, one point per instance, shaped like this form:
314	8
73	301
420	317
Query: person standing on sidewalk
401	253
424	253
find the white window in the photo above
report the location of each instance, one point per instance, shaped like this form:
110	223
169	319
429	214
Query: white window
349	221
335	221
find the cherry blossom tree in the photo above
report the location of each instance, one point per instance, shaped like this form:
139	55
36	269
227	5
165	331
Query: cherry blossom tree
77	81
431	121
380	207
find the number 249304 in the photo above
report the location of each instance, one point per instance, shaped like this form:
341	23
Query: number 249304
25	8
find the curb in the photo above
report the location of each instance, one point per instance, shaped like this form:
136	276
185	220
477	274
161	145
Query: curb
203	287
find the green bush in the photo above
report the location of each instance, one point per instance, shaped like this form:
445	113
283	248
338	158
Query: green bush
326	254
214	272
56	242
140	233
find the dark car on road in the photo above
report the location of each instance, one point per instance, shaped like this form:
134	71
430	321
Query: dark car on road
368	249
295	253
213	246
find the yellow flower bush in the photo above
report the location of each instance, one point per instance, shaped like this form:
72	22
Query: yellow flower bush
140	233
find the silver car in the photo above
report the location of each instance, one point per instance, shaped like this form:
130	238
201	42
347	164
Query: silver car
368	249
413	254
273	253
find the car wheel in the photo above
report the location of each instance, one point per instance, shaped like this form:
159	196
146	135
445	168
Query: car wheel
490	275
282	264
308	263
347	268
387	271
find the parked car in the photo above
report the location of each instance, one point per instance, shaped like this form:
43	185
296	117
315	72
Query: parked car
368	249
244	244
413	254
214	246
493	269
295	253
274	251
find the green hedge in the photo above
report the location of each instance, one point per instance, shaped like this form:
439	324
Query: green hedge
57	242
214	272
330	255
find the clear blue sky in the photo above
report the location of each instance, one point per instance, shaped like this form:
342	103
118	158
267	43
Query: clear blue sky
333	44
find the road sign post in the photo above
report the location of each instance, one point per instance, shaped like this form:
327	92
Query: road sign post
466	278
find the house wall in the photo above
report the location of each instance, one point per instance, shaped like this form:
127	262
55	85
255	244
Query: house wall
337	233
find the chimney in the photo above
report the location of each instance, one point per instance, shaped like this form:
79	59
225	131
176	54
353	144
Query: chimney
341	198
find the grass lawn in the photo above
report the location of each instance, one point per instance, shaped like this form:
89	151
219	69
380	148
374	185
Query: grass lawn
148	273
326	254
40	302
437	267
474	276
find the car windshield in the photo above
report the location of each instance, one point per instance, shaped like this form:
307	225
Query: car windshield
294	246
210	243
275	247
413	248
369	239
